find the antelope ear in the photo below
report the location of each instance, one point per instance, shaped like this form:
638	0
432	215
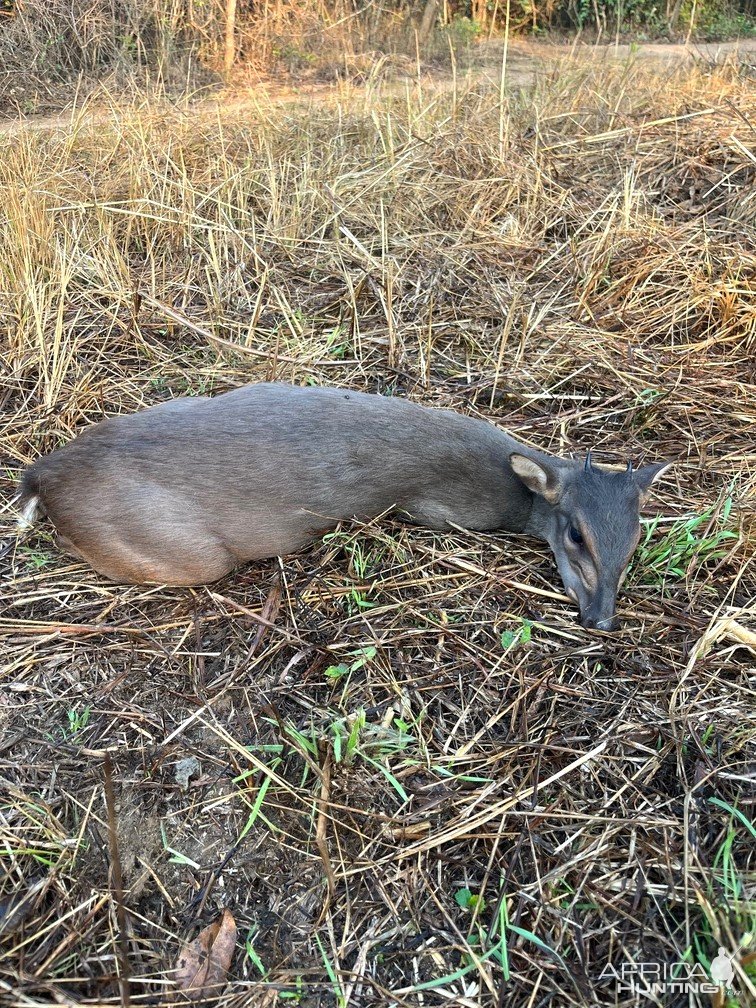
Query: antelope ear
649	474
537	476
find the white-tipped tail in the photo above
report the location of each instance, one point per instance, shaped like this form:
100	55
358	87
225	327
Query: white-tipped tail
27	514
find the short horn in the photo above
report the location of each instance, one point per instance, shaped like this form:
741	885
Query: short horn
588	463
629	470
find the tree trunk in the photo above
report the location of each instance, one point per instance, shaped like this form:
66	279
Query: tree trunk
230	48
428	20
675	16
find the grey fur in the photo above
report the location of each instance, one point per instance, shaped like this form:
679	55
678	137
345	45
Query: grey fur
183	492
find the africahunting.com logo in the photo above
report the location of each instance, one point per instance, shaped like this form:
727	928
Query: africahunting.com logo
677	977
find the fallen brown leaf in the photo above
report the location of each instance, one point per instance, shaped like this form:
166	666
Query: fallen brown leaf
718	999
203	964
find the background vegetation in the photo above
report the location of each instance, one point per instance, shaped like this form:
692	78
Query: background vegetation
180	44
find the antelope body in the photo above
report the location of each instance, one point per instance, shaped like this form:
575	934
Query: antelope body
183	492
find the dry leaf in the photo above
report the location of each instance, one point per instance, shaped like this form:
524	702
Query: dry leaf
204	963
718	999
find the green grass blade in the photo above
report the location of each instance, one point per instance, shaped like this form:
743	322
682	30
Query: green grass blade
736	813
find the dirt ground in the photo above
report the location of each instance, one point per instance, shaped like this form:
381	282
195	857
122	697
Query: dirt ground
523	59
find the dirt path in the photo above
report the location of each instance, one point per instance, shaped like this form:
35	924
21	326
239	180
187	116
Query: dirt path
524	58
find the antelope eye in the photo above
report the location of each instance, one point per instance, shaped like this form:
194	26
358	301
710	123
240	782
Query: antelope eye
575	536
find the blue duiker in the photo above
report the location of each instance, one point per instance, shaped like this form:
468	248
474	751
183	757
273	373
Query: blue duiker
183	492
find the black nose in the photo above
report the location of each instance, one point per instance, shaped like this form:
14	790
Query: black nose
608	625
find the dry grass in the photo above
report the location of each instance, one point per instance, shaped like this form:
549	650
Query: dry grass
54	52
418	781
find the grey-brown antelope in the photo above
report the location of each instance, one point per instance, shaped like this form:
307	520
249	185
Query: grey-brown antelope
182	492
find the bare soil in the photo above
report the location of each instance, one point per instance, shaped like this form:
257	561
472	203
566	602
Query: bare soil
524	59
